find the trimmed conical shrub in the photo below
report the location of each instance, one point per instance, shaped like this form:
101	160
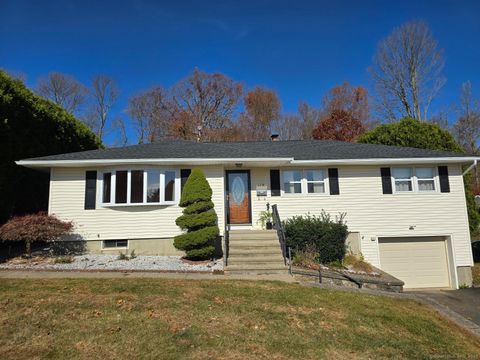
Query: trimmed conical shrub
199	220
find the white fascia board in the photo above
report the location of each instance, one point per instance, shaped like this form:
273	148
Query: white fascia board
180	161
244	161
386	161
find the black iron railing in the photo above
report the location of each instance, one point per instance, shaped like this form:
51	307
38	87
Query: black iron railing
226	250
278	225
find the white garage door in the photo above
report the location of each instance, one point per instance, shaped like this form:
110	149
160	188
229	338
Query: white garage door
419	262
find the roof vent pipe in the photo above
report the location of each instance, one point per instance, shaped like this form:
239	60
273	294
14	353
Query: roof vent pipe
275	137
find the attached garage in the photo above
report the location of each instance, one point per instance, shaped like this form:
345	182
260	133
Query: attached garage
420	262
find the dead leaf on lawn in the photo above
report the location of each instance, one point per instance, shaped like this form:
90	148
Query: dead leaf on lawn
153	314
115	329
218	300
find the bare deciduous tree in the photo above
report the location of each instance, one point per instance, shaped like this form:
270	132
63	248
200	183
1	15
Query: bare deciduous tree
63	90
467	128
148	110
310	117
208	99
120	127
407	71
104	93
262	109
289	127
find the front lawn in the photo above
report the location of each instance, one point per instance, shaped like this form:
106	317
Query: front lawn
476	274
175	319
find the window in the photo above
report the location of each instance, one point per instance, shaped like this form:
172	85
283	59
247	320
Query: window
107	188
112	244
140	187
315	181
292	182
121	187
153	186
136	187
421	179
425	179
403	178
311	181
169	185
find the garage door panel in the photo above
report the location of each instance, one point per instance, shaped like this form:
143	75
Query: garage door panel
419	262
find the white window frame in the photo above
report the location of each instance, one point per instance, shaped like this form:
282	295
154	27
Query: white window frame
113	179
293	182
414	179
324	181
434	178
304	182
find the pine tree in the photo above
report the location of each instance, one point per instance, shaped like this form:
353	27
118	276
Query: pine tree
199	220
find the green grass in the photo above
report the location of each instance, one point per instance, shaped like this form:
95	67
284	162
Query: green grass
179	319
476	274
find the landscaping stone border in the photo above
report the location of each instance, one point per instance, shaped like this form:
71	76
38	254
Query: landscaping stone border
382	281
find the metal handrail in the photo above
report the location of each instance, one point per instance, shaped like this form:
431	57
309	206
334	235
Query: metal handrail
277	225
227	245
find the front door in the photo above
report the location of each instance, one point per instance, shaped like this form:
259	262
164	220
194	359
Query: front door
238	197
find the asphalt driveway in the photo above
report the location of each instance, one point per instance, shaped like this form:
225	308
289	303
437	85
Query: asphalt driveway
465	302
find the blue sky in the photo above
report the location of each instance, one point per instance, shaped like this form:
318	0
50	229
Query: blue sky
299	48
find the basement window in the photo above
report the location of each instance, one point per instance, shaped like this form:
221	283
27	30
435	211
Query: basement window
115	244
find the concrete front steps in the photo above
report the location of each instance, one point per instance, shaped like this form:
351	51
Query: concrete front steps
255	252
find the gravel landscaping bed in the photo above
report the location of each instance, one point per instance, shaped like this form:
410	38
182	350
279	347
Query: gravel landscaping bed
111	262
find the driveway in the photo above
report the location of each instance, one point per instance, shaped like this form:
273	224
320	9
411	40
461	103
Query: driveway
465	302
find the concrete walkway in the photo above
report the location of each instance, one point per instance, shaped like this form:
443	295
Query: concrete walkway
38	274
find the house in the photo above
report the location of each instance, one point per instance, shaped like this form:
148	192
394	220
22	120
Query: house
405	207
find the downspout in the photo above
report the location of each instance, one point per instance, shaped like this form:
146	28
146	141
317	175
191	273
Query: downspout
474	165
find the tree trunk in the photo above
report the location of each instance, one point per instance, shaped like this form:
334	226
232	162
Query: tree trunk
28	249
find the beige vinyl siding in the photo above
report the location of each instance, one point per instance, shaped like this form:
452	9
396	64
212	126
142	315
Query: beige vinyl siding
368	211
67	191
373	214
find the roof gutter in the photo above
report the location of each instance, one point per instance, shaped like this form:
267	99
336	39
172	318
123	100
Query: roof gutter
474	165
388	161
245	161
179	161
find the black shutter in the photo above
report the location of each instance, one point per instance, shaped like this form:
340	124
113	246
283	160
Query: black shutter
444	182
184	174
275	182
386	180
90	190
333	181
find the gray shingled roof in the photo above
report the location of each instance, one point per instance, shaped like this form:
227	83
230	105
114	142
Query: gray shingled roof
299	150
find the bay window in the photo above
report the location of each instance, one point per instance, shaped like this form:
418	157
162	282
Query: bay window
140	187
136	186
121	187
310	181
153	186
107	187
169	185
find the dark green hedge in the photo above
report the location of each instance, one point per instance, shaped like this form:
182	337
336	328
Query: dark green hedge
199	220
30	127
325	235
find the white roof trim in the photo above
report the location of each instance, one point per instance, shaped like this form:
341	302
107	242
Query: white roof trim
387	161
250	161
179	161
